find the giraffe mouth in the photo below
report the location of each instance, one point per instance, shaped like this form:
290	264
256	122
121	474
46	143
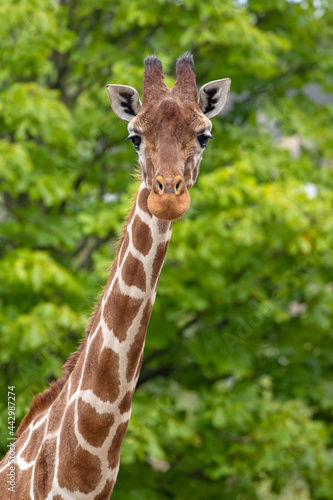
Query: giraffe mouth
167	206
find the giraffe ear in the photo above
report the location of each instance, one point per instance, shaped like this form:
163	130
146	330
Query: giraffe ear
124	100
214	96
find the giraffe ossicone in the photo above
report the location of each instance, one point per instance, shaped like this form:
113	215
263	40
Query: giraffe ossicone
68	444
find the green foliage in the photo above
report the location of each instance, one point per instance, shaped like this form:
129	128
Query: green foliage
235	395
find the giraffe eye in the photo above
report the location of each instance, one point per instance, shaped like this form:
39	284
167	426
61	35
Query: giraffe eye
203	139
136	140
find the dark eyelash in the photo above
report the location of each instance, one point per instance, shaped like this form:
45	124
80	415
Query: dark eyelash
136	140
203	139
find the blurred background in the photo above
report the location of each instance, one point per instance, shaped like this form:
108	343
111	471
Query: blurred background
235	397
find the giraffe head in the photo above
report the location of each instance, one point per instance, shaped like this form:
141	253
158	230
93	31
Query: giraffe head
169	129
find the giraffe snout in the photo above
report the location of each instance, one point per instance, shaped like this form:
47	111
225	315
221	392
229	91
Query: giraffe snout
169	198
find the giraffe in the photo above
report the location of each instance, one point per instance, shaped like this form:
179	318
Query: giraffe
68	444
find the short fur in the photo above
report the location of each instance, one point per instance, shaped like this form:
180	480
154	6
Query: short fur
153	60
153	84
185	86
186	59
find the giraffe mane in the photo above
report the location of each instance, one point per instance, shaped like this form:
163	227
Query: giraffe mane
44	400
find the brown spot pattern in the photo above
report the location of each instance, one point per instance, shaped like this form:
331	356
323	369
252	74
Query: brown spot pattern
106	492
76	375
125	404
93	426
141	236
38	418
120	311
123	248
101	371
22	486
82	470
139	366
96	319
114	451
163	226
142	201
32	448
57	411
44	469
101	375
158	262
135	350
133	272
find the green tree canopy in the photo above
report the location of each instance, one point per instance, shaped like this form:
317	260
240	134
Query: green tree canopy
235	398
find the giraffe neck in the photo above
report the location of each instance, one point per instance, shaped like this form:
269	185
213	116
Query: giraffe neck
74	446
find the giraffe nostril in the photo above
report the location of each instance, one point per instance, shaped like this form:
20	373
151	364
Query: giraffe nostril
159	186
178	185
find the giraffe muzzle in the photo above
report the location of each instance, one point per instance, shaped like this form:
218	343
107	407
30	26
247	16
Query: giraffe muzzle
169	199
